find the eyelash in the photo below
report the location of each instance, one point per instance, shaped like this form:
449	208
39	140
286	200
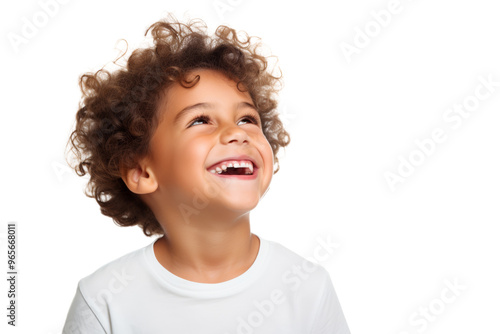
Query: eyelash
201	117
206	118
252	118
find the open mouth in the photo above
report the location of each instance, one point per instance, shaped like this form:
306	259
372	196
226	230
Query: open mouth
233	167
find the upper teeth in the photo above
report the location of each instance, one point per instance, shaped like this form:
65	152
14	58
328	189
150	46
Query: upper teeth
233	164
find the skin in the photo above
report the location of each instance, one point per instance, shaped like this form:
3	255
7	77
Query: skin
205	217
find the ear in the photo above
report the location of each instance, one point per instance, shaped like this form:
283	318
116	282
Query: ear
140	180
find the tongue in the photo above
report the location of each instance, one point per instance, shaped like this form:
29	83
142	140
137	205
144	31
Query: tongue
236	171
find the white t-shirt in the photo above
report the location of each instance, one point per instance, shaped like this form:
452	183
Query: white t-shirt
280	293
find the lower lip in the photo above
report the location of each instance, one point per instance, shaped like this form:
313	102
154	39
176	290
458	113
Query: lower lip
238	177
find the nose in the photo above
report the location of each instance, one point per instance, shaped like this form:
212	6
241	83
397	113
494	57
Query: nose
234	134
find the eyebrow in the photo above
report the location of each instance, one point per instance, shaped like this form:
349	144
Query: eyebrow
205	105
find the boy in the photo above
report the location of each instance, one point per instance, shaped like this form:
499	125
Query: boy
183	143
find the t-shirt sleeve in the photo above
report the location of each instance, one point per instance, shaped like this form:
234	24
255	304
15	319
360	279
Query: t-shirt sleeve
81	319
330	318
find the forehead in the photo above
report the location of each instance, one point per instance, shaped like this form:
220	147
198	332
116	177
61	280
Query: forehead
212	87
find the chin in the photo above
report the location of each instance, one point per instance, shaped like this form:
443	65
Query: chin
242	205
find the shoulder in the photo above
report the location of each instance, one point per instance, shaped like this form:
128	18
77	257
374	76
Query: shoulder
114	276
308	285
295	270
288	257
110	284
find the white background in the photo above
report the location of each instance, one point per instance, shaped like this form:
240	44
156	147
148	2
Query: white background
349	122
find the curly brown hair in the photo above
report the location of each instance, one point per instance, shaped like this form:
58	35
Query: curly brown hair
119	110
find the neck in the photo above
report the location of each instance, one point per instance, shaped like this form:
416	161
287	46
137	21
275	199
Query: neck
207	250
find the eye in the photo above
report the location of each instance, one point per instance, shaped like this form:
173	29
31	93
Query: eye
249	119
200	119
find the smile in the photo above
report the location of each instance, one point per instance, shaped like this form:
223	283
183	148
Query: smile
233	167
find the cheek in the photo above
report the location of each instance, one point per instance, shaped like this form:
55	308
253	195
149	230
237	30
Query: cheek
266	152
269	153
173	162
190	154
265	148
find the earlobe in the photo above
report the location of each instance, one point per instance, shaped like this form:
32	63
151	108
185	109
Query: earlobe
140	181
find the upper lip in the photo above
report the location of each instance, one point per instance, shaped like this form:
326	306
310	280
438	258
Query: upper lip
239	157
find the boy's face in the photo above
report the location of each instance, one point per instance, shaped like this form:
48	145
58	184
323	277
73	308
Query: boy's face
189	151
